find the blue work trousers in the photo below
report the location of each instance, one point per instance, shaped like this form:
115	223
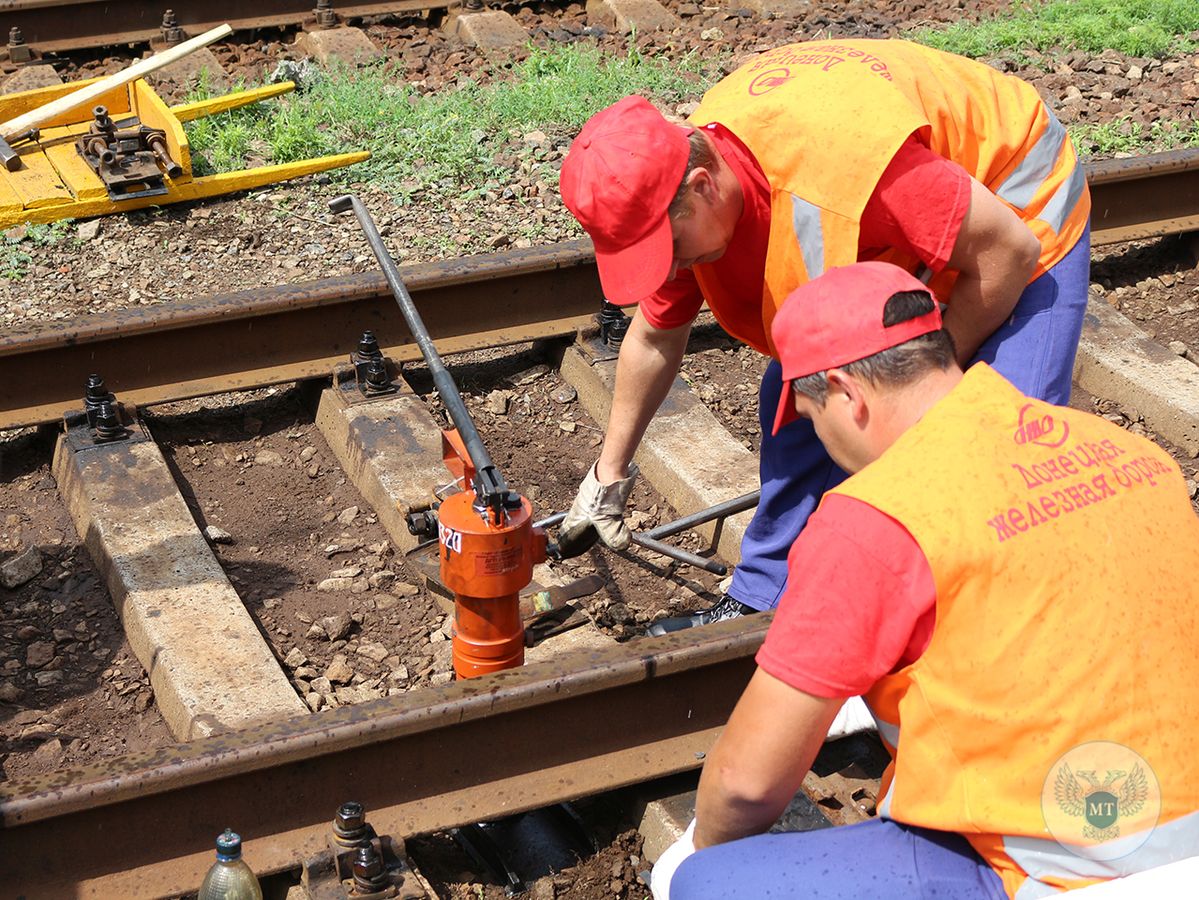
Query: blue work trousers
876	859
1034	349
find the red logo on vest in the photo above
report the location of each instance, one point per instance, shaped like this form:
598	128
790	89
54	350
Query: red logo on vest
1040	430
768	81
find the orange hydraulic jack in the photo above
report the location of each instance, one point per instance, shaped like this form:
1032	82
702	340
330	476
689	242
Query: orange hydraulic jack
486	559
488	543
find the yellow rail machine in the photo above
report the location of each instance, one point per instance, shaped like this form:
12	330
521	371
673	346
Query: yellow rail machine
112	144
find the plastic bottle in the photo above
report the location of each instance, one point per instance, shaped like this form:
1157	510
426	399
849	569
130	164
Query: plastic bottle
229	878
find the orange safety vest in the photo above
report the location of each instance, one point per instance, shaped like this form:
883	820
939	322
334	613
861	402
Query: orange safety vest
824	119
1064	552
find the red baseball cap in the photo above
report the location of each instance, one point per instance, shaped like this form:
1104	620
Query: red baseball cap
618	179
837	319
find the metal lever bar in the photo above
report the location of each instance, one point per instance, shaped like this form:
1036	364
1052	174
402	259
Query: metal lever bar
719	511
649	539
490	486
708	565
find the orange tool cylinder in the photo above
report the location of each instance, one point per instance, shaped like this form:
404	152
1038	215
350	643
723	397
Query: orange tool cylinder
486	564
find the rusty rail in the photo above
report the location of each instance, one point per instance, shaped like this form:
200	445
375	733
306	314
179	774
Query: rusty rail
142	825
276	334
271	335
62	25
1144	196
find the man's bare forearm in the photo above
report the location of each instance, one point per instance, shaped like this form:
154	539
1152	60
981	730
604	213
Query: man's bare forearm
649	360
759	760
995	253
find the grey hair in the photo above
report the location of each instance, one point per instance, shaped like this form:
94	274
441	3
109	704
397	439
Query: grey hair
896	365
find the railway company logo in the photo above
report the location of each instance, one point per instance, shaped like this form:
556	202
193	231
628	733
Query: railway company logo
1044	431
769	80
1101	800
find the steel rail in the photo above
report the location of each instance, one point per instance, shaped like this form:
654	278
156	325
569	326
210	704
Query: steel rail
272	335
1144	196
64	25
254	338
591	721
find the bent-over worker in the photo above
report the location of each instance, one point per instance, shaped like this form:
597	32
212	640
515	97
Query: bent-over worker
811	156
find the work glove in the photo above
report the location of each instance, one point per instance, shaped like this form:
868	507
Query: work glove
598	512
672	857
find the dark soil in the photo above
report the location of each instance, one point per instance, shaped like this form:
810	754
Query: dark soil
71	690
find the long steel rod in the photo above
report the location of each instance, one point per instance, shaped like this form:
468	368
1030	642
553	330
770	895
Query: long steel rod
646	540
708	565
490	485
719	511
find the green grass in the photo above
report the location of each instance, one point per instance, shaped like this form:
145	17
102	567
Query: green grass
1122	135
1135	27
13	258
442	141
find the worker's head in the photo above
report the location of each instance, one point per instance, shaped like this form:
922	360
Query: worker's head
863	354
650	193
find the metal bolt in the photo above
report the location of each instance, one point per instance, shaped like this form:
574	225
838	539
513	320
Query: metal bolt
368	347
108	423
18	51
613	325
369	874
325	16
377	381
472	4
95	392
171	32
349	825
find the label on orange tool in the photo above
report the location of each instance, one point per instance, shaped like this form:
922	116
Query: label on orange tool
498	562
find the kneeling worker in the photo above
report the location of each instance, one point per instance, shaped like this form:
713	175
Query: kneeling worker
1011	587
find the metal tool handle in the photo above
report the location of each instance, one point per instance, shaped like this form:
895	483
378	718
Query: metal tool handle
490	486
649	539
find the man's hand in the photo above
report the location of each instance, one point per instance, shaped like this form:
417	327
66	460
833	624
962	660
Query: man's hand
599	507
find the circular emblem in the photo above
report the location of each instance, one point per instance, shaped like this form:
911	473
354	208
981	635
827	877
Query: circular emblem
1098	792
769	80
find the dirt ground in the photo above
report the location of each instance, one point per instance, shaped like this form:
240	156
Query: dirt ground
71	689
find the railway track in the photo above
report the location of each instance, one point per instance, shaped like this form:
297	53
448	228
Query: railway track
287	333
420	762
599	719
60	26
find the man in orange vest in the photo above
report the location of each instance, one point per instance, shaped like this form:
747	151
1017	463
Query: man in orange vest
811	156
1011	587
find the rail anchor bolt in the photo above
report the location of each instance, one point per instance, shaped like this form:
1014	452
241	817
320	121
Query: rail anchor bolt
349	826
170	32
18	50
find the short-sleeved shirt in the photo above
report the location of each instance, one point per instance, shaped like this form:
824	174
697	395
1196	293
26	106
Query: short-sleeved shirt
917	207
860	602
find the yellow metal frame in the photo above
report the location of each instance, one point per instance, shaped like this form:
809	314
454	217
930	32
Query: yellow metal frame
55	183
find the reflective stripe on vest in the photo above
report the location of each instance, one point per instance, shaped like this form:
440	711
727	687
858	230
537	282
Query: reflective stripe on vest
1064	199
1166	843
809	233
1021	186
1026	179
